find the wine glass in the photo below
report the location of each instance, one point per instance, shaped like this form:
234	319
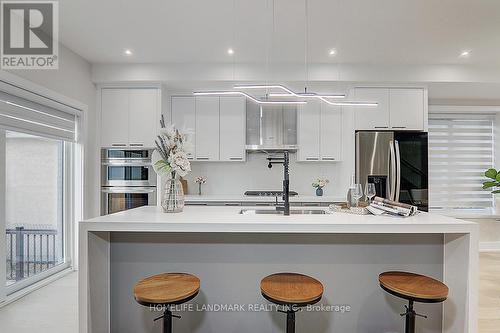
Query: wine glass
370	191
357	193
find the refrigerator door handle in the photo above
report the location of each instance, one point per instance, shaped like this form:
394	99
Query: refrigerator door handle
392	171
398	171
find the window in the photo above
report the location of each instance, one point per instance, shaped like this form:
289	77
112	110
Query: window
37	160
34	177
460	150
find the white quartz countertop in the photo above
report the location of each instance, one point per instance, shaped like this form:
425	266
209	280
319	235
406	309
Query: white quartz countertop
247	198
220	219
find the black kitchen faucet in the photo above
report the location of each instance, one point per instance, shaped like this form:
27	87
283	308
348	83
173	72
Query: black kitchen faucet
285	160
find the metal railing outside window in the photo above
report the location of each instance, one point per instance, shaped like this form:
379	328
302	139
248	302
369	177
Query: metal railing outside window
30	251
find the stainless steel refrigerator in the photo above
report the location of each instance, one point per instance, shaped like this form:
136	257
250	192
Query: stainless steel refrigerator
397	162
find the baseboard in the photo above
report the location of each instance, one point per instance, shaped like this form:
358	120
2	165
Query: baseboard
42	283
489	247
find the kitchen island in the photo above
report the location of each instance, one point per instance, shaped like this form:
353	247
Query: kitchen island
231	252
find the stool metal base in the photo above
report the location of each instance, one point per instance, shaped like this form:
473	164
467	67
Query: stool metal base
410	315
167	320
290	319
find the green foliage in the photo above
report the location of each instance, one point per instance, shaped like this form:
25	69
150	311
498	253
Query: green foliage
162	168
495	175
491	173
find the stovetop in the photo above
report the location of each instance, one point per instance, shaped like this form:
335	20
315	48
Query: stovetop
269	193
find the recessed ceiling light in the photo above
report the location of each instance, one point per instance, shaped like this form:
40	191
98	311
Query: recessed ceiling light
128	52
332	52
465	54
230	51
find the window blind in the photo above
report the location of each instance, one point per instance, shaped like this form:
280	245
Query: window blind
460	150
23	115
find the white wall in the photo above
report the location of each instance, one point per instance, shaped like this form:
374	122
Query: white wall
73	79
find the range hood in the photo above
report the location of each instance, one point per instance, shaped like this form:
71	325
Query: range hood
271	128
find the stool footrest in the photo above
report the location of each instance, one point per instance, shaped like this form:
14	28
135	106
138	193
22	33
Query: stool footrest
411	312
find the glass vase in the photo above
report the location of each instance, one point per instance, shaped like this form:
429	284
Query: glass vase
173	197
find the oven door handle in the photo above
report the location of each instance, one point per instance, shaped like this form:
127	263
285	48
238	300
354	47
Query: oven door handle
129	190
127	163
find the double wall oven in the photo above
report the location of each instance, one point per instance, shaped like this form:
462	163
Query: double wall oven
127	180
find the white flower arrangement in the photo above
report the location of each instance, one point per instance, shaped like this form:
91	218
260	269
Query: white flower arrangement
320	183
170	157
200	180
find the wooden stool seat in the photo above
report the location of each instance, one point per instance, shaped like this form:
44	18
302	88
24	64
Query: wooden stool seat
413	287
167	288
291	288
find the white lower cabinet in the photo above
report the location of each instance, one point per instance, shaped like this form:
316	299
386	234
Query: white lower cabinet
218	123
319	132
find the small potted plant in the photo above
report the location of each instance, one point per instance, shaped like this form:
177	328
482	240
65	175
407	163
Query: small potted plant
319	184
200	180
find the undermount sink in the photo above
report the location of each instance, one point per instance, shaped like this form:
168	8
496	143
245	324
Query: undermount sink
280	212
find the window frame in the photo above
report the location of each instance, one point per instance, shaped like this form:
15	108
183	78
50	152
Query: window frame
68	216
27	89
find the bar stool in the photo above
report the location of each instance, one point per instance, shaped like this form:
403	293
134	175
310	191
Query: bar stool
166	289
291	290
414	288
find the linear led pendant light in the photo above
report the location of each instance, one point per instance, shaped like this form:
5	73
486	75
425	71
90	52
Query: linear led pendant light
289	93
241	93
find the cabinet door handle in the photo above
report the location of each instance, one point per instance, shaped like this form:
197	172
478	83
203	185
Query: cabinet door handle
136	145
312	158
381	126
203	158
398	126
328	158
119	145
236	158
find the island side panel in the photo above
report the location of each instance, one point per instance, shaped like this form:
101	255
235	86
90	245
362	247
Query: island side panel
230	267
94	282
461	266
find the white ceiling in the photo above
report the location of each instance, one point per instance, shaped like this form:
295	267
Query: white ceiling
362	31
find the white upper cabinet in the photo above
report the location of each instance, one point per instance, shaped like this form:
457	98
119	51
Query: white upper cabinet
309	117
330	133
406	109
183	115
218	124
207	128
114	117
232	128
320	132
398	109
143	117
372	117
129	117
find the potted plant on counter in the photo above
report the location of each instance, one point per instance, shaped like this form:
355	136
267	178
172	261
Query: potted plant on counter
493	182
170	161
319	184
